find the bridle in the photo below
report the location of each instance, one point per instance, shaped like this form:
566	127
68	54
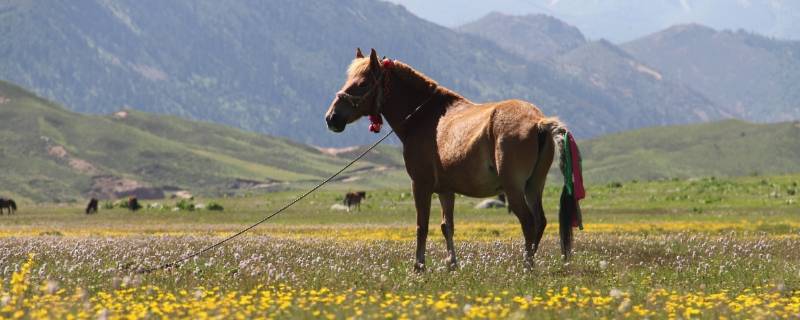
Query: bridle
380	85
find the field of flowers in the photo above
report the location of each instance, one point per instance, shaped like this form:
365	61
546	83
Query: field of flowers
654	250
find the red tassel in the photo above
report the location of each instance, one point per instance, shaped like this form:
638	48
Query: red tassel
375	123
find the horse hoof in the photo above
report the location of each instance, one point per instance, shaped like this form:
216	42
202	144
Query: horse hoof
452	266
419	267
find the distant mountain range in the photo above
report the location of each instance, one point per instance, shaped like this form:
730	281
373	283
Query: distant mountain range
626	20
49	154
751	76
636	88
273	66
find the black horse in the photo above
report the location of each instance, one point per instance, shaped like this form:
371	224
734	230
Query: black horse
92	207
8	204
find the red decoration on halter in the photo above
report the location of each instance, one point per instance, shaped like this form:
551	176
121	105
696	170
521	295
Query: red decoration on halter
375	119
375	123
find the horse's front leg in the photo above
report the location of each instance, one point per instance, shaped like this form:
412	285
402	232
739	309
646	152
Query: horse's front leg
447	201
422	202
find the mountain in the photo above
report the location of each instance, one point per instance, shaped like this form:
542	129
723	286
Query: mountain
536	37
626	20
726	148
268	66
642	89
752	76
635	87
50	154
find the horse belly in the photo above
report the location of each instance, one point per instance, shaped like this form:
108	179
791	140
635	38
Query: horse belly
472	173
476	182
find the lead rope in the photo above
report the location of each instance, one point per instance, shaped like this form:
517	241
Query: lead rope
286	206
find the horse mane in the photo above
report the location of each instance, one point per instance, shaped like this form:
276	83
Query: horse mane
406	73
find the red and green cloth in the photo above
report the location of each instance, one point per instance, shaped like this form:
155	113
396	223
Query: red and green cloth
573	181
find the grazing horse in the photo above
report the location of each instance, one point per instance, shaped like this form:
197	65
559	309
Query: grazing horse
8	204
353	199
133	204
92	206
453	145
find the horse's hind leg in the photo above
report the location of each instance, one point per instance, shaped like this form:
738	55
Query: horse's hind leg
516	161
535	187
447	201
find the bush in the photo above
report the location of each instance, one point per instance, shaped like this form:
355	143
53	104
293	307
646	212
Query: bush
214	206
185	205
108	205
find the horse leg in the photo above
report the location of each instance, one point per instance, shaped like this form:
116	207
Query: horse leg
516	201
422	202
514	169
447	200
535	187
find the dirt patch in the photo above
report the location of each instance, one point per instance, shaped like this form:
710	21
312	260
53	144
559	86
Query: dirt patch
113	187
83	166
337	151
57	151
122	114
77	164
250	184
4	100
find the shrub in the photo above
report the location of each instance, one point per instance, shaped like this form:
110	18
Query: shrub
185	205
108	205
214	206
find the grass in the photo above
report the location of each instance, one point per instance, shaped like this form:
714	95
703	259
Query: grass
703	248
726	148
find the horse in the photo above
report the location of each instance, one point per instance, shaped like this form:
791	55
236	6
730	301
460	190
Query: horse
92	206
353	199
8	204
452	145
133	204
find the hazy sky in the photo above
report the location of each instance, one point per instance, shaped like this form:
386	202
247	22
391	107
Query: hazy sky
623	20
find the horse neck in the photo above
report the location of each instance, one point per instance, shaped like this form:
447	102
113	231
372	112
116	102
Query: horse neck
405	95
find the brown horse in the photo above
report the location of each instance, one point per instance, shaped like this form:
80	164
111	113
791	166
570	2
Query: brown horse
453	145
353	199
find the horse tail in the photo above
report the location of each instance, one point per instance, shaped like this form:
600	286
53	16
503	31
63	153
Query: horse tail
13	204
558	131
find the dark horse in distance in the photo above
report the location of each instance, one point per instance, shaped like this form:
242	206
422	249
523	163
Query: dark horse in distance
353	199
8	204
92	206
453	145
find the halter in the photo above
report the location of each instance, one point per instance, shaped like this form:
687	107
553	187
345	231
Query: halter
381	85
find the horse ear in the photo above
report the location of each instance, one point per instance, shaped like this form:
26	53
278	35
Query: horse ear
374	64
358	53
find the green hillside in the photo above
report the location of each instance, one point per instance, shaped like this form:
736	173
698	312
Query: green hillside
727	148
53	155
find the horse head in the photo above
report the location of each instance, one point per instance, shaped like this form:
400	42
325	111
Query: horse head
360	95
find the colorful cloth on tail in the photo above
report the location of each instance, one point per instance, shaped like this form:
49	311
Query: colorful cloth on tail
573	180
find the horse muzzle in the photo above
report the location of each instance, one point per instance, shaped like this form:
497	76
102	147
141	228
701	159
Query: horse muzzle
336	123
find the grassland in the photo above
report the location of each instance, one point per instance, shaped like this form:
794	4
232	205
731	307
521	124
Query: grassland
725	148
702	248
